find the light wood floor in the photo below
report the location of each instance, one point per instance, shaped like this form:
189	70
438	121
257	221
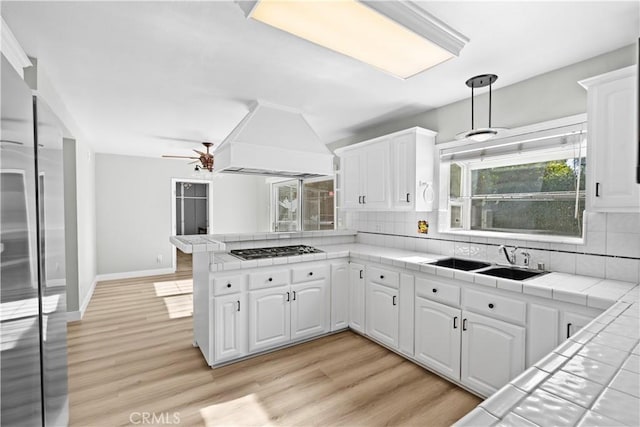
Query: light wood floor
132	354
184	262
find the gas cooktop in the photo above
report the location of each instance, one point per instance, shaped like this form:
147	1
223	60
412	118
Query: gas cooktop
273	252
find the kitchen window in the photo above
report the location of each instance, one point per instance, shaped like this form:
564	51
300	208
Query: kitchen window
315	210
528	186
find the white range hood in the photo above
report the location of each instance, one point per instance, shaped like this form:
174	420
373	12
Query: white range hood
276	141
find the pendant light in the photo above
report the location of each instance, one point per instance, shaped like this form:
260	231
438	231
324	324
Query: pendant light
480	134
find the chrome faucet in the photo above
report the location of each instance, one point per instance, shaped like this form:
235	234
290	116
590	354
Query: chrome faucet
509	255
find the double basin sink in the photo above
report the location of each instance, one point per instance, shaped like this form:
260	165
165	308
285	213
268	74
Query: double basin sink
479	267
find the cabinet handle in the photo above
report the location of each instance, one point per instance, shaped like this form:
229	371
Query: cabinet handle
294	295
408	201
381	277
455	319
364	200
238	305
491	305
288	297
228	285
311	273
270	279
434	290
361	271
359	200
568	330
597	189
394	300
464	324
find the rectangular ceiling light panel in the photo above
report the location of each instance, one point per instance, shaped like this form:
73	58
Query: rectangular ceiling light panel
356	30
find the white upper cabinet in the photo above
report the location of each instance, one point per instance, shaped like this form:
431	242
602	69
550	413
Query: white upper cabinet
412	157
390	172
612	141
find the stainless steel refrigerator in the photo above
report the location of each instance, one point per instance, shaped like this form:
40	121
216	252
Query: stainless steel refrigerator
33	330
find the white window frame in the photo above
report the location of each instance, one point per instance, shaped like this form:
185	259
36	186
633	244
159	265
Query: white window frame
444	214
301	182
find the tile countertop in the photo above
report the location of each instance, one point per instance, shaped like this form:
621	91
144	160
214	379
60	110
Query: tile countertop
592	379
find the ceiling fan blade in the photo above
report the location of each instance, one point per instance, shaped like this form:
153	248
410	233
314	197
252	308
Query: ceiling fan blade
179	157
171	138
200	152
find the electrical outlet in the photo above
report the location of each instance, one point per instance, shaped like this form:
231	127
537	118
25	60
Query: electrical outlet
159	259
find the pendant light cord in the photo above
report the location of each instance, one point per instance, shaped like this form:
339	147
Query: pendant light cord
472	126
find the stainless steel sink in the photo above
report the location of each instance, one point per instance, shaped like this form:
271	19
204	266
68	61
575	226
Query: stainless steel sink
460	264
511	273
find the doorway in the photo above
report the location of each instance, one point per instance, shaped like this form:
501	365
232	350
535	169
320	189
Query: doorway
191	214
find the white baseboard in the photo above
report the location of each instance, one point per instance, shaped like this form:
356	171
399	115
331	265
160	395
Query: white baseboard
134	274
74	316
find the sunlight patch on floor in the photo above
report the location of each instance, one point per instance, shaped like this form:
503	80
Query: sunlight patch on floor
244	411
179	306
173	287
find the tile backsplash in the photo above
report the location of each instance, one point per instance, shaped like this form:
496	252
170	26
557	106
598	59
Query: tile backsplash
611	249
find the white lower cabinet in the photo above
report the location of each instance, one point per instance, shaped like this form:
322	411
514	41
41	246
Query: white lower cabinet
230	327
288	313
572	323
493	352
542	332
356	297
437	337
309	309
382	313
269	318
339	296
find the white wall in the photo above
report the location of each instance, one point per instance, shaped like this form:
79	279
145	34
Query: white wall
86	221
612	241
133	205
541	98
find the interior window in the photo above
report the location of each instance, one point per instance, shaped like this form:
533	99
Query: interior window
315	210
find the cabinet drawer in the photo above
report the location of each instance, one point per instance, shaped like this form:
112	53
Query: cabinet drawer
383	277
228	284
306	274
496	306
268	279
438	291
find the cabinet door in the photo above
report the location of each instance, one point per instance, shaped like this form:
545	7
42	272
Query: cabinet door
309	309
492	352
542	334
572	323
403	170
437	337
269	318
350	180
230	326
375	175
613	145
382	314
339	296
356	297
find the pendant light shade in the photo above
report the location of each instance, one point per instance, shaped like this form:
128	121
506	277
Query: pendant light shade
480	134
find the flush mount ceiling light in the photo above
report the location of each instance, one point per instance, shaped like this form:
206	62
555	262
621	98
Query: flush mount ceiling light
480	134
396	37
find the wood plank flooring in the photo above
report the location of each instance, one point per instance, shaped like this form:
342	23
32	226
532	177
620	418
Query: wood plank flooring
131	357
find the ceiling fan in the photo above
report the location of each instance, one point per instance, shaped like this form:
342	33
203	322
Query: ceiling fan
205	159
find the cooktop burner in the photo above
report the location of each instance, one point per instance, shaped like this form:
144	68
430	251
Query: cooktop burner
273	252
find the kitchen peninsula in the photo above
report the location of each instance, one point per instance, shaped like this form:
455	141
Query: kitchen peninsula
398	299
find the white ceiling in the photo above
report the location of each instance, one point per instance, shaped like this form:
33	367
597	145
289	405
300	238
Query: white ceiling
135	75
